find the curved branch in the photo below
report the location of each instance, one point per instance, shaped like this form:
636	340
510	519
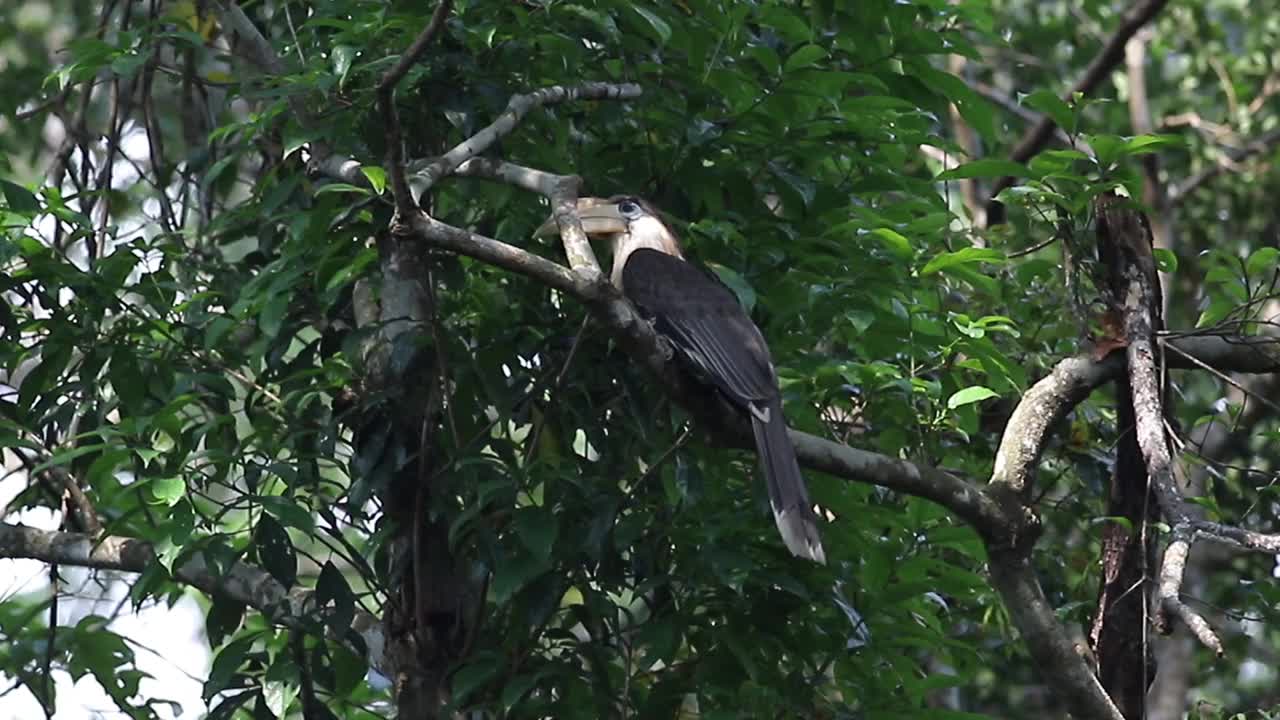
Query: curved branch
1073	378
1047	402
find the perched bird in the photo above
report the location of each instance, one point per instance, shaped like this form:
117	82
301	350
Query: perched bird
709	330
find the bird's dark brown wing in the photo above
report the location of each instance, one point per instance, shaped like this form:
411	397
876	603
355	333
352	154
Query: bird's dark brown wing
704	321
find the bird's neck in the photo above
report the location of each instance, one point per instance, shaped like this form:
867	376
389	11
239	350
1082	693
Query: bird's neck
646	233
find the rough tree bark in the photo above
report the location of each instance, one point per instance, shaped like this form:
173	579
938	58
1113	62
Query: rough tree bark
1119	633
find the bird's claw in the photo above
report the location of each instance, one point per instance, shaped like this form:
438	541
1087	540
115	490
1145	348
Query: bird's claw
666	348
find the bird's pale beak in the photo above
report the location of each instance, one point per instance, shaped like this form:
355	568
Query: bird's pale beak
599	217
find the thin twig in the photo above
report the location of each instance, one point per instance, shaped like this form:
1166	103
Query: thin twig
1164	343
1038	246
555	387
405	204
517	108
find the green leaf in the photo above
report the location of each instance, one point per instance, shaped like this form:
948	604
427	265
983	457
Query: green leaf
804	57
342	56
167	491
1166	260
894	241
738	284
19	199
1143	144
296	138
986	168
861	320
278	696
512	572
290	513
1262	261
961	257
661	30
64	457
970	395
275	550
271	319
1107	149
474	674
338	187
515	688
1050	104
377	177
537	528
334	597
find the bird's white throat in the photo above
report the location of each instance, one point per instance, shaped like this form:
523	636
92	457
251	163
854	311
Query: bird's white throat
644	232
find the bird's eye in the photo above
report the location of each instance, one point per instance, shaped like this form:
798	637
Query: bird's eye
628	208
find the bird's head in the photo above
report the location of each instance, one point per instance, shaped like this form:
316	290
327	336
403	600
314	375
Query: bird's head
626	220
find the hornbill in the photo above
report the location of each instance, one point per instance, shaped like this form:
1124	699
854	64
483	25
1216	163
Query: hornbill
712	334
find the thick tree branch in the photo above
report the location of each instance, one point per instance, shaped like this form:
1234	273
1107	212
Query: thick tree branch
238	581
1125	243
1047	402
960	496
1050	399
1050	645
498	254
525	178
1226	353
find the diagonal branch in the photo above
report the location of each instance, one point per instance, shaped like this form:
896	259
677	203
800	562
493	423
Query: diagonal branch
1049	643
391	117
1260	145
416	48
1041	407
1038	135
517	108
238	581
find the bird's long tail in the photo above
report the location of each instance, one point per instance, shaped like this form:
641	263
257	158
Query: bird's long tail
788	495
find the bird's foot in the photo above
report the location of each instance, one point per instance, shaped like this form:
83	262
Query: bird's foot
668	350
